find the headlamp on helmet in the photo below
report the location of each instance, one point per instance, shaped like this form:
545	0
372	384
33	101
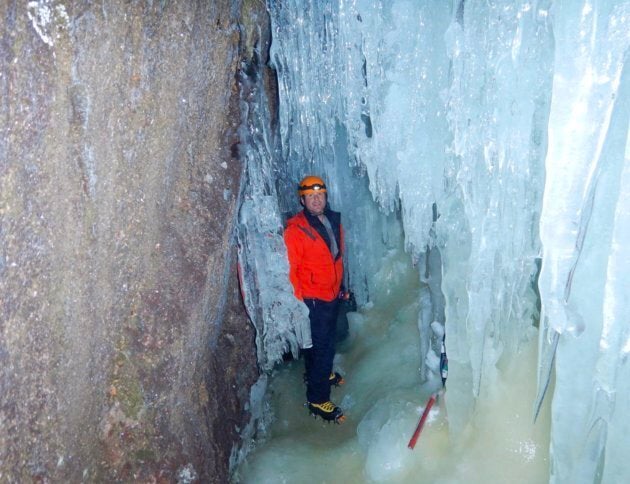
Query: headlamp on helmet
311	184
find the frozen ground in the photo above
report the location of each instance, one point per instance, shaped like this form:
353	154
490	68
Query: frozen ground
383	399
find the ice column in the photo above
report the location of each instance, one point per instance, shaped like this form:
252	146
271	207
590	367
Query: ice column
585	231
498	104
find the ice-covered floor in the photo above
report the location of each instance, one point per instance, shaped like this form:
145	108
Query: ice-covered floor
383	401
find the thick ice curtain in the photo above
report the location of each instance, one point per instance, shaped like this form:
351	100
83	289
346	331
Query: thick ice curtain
585	232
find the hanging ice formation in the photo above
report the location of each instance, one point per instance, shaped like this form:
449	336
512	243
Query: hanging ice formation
281	321
472	125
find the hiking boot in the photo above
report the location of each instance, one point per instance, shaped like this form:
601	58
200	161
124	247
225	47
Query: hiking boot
335	379
328	411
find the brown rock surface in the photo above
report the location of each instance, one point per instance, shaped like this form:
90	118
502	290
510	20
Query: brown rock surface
125	354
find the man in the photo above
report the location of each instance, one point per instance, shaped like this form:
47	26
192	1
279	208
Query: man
314	240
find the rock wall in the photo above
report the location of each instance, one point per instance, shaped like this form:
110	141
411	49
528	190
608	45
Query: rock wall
125	354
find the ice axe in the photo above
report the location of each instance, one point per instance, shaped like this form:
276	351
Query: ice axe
432	398
425	414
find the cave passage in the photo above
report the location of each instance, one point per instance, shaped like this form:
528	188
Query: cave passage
477	109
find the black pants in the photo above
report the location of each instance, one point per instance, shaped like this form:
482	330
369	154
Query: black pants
318	360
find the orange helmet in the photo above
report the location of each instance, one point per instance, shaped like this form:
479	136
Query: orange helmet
311	184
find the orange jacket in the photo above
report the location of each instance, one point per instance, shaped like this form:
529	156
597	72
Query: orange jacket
313	272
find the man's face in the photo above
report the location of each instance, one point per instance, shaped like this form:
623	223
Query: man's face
315	203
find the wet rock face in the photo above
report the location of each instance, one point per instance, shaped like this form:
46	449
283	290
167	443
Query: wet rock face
125	354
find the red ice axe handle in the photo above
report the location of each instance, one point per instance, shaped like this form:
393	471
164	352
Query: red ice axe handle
425	414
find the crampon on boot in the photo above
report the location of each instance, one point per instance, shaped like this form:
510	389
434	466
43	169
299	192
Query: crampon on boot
335	379
327	411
